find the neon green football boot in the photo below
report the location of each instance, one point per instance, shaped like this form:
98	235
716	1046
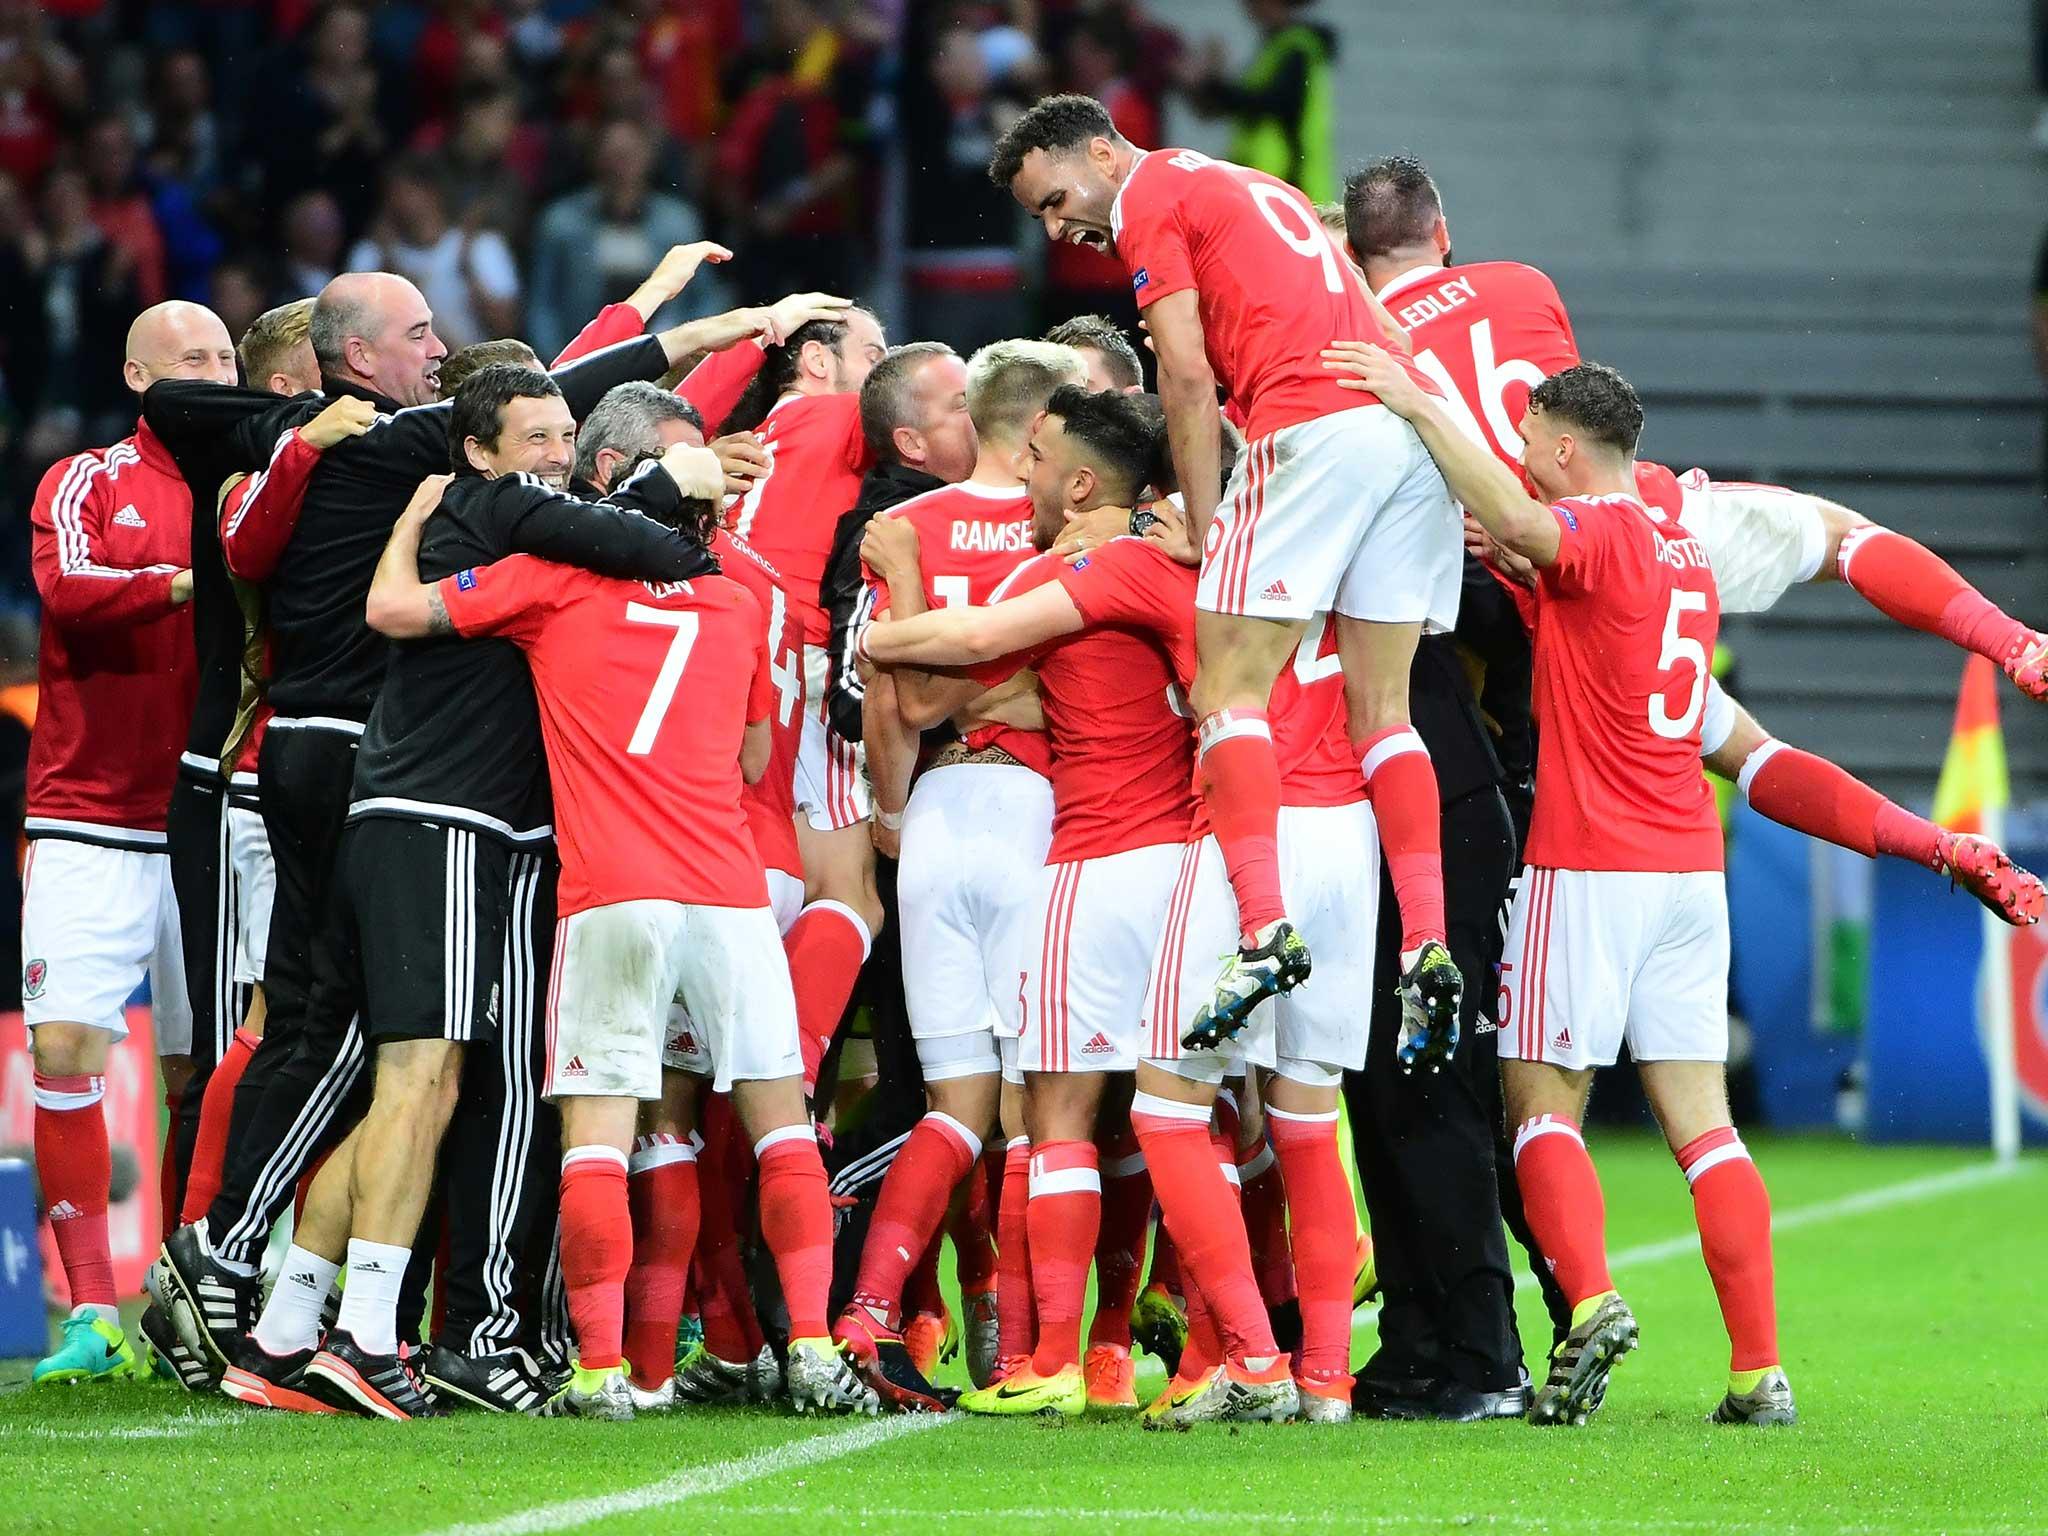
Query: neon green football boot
93	1350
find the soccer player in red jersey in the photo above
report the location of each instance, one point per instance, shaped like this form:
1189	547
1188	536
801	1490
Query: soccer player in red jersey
1331	509
662	897
1121	762
115	675
1620	926
1487	332
974	836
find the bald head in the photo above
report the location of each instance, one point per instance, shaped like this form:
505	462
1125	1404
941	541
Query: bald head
178	340
374	330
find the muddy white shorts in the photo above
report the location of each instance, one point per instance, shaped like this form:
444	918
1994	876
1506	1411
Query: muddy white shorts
1596	957
967	893
1081	990
1330	877
618	971
1345	512
831	772
94	922
1760	539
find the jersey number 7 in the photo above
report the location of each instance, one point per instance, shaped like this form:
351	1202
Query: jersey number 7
669	678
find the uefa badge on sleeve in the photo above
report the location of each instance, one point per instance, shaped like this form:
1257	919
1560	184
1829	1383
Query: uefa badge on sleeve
33	977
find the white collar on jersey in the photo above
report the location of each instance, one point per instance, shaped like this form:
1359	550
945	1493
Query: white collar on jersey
1412	276
992	492
1116	204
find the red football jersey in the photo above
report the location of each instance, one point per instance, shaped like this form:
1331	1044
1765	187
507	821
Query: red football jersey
771	802
1273	289
1624	644
1123	744
115	674
646	690
816	458
969	539
1486	335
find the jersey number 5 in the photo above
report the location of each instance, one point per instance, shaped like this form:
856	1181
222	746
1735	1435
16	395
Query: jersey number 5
1681	648
669	678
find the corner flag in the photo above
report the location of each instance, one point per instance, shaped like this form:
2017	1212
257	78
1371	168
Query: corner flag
1973	785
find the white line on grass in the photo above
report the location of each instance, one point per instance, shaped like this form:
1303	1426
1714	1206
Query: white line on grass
160	1429
700	1482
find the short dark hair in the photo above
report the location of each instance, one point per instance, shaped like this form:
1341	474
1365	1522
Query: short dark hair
480	406
1052	123
885	397
479	355
1389	204
1101	334
778	368
1595	399
1119	432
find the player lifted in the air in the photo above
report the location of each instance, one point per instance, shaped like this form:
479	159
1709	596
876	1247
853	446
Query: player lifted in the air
1620	927
1332	508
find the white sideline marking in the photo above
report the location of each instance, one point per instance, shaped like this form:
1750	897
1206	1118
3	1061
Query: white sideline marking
163	1429
1883	1196
698	1482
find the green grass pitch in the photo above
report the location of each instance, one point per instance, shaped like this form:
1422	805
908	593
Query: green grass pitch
1913	1295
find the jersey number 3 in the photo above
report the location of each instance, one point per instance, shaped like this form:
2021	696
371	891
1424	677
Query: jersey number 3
1681	648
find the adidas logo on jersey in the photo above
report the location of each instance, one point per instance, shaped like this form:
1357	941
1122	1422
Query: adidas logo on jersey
1276	592
64	1210
1098	1046
128	517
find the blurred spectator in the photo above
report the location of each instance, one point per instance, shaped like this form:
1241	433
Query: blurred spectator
237	295
40	84
121	208
488	162
1282	107
961	235
594	246
467	275
787	165
181	127
328	129
462	41
68	294
313	237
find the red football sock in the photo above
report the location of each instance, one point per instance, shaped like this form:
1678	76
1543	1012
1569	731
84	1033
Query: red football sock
921	1294
1733	1211
826	946
1265	1221
1325	1235
731	1331
661	1191
1561	1194
908	1211
1203	1216
1910	583
597	1252
972	1228
1016	1314
210	1147
1064	1214
796	1224
1402	782
74	1167
1810	794
1239	778
1120	1248
1203	1351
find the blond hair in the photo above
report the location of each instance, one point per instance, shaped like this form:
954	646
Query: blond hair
273	336
1008	383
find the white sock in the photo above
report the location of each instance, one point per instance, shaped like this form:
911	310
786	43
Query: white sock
237	1267
100	1310
291	1318
369	1301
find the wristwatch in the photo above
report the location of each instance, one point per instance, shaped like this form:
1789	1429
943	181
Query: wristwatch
1141	520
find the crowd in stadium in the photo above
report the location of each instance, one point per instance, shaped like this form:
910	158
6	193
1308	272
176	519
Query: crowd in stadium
646	836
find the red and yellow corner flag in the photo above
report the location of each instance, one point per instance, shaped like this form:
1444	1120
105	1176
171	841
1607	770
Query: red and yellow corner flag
1973	781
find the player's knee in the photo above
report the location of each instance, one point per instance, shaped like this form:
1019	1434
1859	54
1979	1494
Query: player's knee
69	1050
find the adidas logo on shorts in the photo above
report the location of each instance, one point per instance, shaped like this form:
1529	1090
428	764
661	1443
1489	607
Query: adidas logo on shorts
574	1068
1562	1039
1276	592
1098	1046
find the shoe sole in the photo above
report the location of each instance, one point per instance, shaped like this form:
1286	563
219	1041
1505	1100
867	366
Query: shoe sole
1160	1337
1574	1402
247	1387
1213	1029
77	1376
1440	1000
357	1396
165	1272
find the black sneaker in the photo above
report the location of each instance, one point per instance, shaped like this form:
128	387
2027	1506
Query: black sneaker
508	1381
1579	1367
264	1380
193	1371
218	1305
376	1386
